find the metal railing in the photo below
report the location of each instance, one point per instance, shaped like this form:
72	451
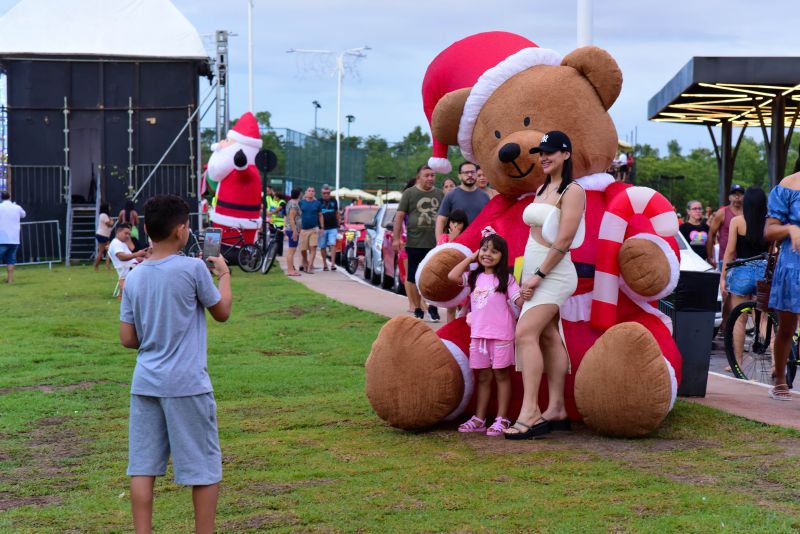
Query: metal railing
39	242
38	184
167	179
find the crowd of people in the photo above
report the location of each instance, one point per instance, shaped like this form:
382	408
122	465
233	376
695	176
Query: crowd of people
513	324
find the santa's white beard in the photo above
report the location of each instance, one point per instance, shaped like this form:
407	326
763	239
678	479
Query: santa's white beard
220	164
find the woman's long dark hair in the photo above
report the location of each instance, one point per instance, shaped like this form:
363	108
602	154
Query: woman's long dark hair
754	209
566	178
501	270
105	208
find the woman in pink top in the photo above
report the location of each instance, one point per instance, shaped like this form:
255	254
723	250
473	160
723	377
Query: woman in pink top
492	318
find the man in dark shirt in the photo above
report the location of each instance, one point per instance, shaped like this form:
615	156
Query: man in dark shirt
421	203
310	223
468	197
330	226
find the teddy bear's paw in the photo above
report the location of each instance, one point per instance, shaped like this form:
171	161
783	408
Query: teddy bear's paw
644	267
432	279
623	386
412	379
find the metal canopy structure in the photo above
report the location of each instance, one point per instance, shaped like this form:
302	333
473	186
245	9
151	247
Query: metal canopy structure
763	92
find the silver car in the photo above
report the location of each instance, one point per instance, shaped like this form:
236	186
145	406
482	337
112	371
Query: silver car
373	257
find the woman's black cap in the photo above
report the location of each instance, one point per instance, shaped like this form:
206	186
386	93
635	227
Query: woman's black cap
553	141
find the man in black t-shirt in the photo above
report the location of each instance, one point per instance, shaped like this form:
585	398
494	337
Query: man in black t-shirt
330	226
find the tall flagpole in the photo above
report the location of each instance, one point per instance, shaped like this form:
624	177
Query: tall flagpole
585	37
250	54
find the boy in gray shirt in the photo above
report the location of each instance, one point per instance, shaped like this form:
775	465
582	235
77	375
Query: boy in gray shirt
173	410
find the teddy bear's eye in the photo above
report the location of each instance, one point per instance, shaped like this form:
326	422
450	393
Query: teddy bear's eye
497	134
527	121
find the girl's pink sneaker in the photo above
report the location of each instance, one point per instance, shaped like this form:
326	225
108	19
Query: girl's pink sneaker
498	427
473	425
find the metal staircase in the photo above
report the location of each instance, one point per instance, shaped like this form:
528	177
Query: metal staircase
81	237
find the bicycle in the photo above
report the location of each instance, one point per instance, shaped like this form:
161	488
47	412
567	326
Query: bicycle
269	247
757	327
248	256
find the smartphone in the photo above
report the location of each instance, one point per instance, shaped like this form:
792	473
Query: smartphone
211	243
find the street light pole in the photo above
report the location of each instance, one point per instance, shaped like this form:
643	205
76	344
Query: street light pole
339	76
355	52
350	119
316	107
386	189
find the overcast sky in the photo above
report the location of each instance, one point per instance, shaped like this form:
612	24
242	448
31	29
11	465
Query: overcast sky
651	41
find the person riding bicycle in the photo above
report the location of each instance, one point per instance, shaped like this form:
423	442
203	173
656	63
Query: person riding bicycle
745	240
783	224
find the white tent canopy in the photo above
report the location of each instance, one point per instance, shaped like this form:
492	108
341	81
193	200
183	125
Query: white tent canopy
134	28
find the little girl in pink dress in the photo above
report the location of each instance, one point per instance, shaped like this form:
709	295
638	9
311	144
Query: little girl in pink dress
492	318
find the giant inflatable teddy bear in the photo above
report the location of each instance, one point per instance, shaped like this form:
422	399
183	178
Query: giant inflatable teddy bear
495	94
232	173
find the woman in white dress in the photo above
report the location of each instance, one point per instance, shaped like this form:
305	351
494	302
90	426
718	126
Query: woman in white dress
556	218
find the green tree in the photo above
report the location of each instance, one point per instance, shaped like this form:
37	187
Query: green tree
674	149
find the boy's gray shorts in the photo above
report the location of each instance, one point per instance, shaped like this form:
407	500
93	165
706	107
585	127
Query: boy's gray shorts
186	427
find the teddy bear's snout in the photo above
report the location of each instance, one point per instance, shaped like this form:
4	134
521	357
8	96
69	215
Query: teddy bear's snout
509	152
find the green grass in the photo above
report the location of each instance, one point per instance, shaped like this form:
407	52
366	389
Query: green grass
303	450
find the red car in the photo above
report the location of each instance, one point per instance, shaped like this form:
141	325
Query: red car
350	240
394	264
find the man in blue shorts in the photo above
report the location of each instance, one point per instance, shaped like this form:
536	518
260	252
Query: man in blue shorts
10	215
173	411
330	227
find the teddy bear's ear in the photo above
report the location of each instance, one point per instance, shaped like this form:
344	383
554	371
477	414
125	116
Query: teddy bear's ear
447	116
597	66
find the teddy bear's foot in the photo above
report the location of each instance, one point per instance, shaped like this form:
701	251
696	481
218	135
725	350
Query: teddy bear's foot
624	386
413	380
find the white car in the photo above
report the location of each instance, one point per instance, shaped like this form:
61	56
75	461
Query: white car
691	261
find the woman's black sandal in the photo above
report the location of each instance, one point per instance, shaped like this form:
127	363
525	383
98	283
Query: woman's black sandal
537	431
563	425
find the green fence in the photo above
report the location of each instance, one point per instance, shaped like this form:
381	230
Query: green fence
304	160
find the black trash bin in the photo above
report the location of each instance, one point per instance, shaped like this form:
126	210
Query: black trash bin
692	307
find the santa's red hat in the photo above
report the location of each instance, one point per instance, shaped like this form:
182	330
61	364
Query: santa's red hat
483	62
246	131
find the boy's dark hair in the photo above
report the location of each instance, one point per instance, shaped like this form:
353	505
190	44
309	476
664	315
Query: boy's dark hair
458	216
296	193
162	214
123	226
5	195
501	271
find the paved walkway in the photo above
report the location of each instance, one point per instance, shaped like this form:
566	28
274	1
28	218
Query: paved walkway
745	399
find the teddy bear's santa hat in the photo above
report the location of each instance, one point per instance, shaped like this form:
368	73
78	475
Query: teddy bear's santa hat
483	62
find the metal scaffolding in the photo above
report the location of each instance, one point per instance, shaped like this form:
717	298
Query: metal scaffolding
221	69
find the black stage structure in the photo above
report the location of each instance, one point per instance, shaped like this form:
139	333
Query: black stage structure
103	105
763	92
87	130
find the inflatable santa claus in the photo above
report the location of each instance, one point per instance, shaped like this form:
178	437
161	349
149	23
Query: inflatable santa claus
238	182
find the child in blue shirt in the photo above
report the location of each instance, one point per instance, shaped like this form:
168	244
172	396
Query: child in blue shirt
173	411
